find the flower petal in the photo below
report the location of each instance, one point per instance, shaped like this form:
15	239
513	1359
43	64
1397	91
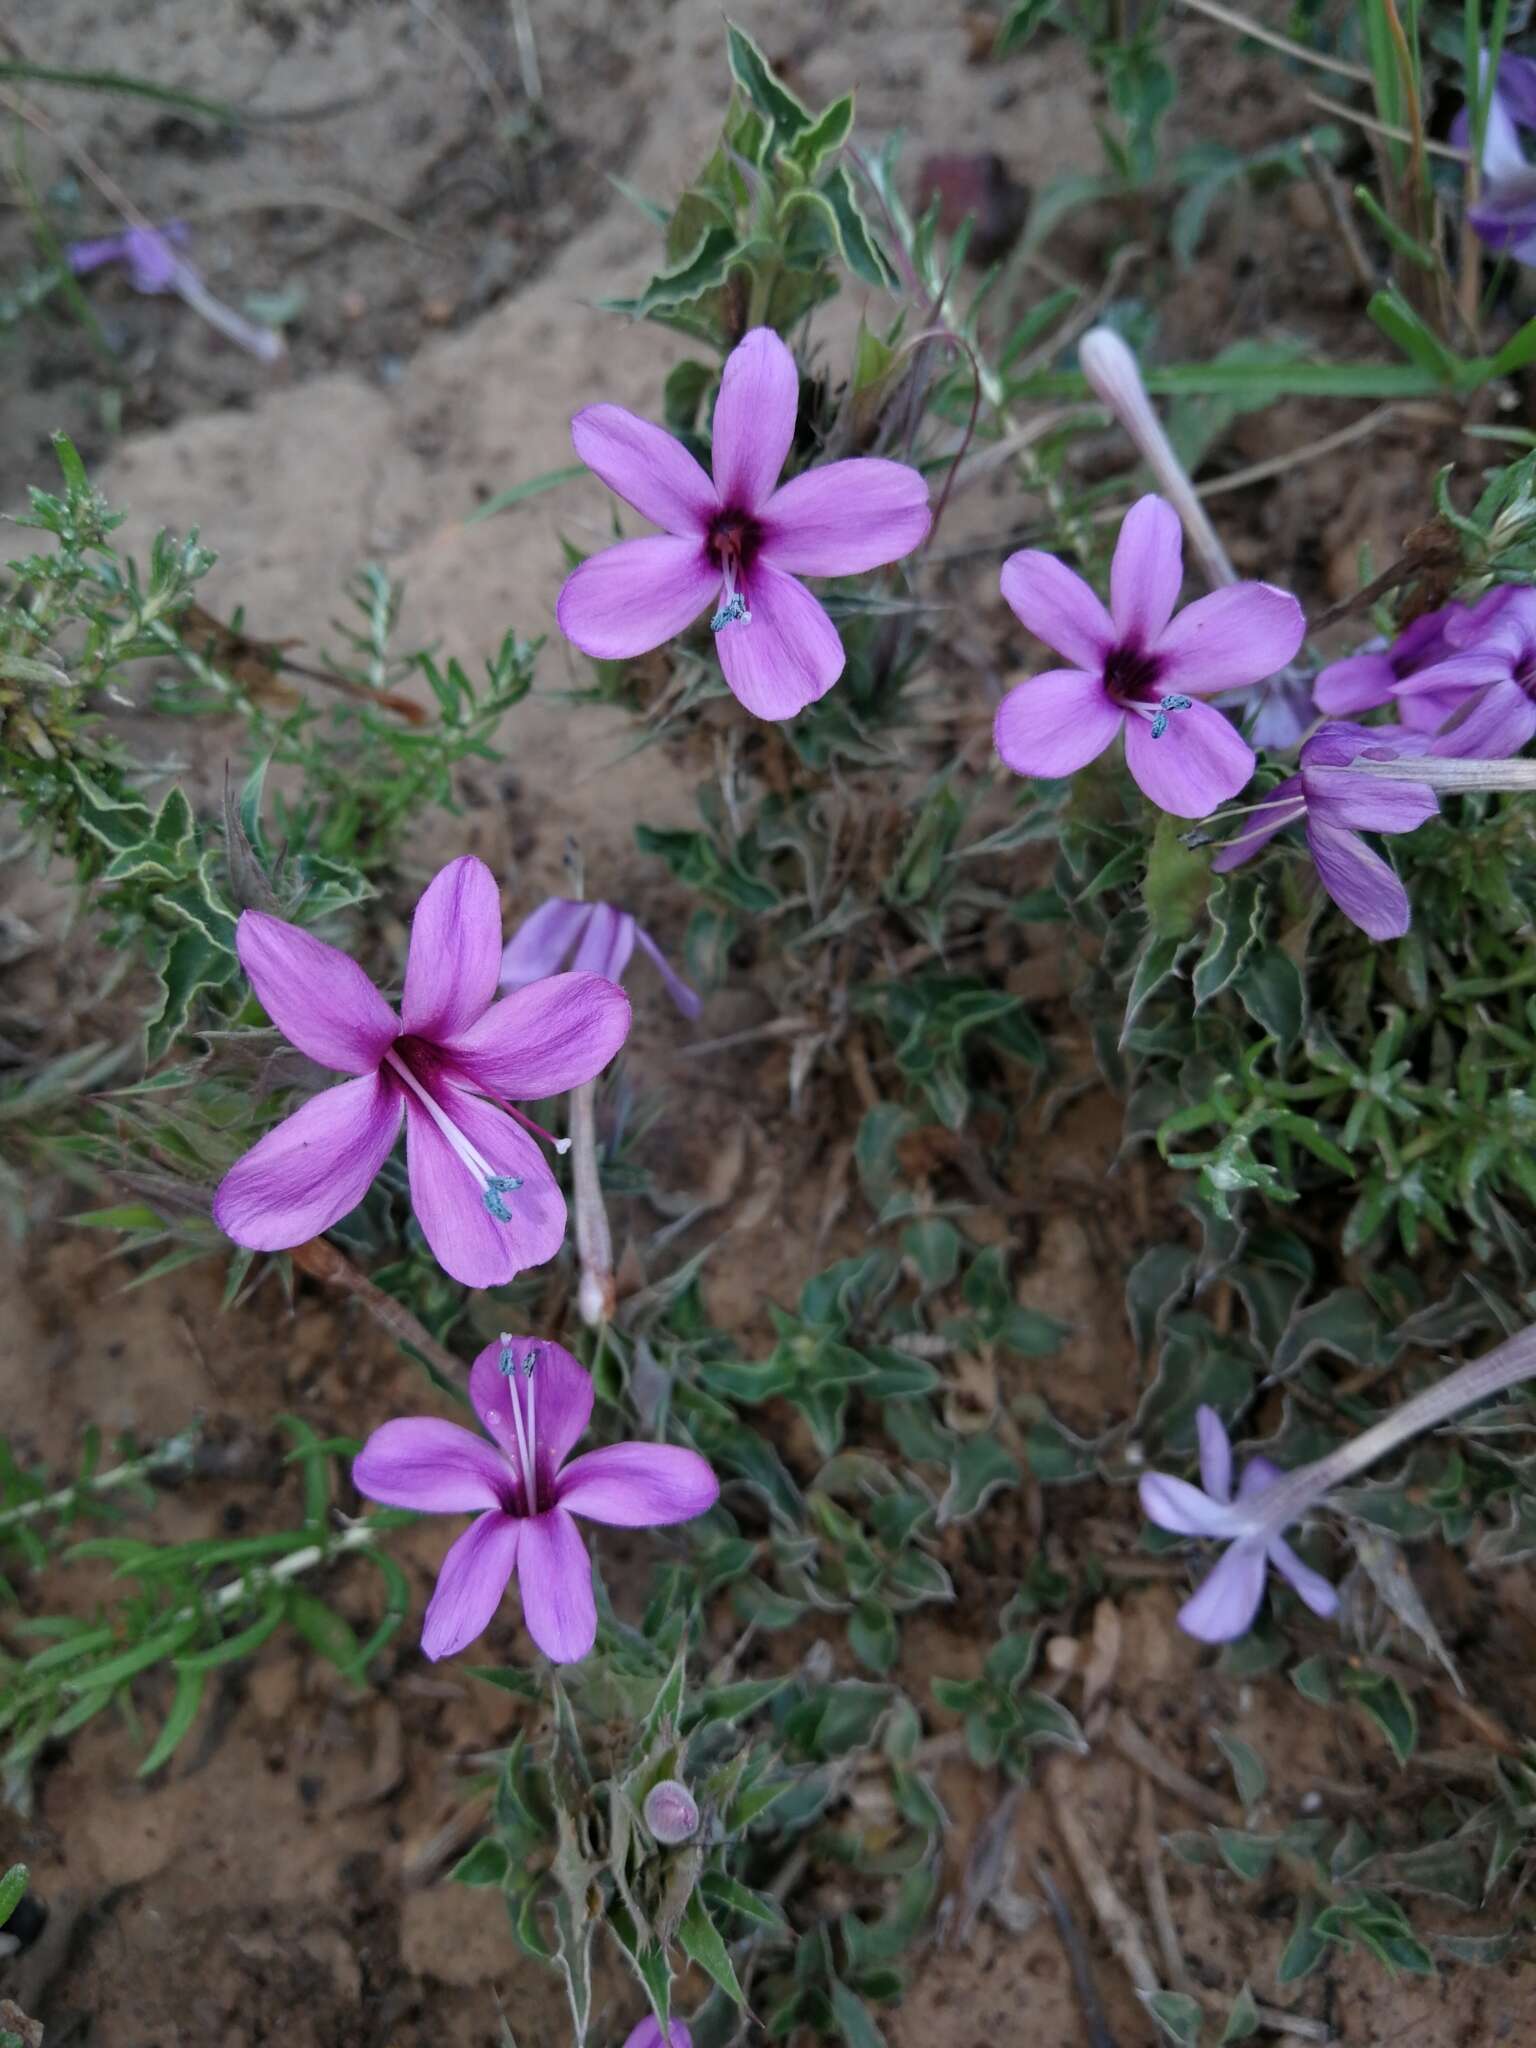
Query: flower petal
319	998
1054	724
638	1486
313	1168
1357	683
1359	802
754	419
455	951
845	517
555	1578
467	1241
606	944
1283	806
1490	726
545	1038
1147	570
1259	1474
470	1582
1183	1509
1200	761
1215	1453
562	1401
1049	600
648	2034
1224	1605
1233	637
633	596
1359	881
787	655
646	467
1311	1585
685	998
542	942
436	1467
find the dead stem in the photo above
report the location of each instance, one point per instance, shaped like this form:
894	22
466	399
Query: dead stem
1154	1882
1138	1750
320	1259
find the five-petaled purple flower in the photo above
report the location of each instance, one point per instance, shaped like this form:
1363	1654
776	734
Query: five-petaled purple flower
1228	1598
480	1187
602	940
735	544
1137	666
1427	668
1504	212
534	1401
149	255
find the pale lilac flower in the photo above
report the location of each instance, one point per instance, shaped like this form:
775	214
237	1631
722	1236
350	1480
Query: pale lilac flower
671	1812
153	266
734	544
534	1401
1228	1597
486	1200
1429	652
601	938
1138	667
648	2034
1504	212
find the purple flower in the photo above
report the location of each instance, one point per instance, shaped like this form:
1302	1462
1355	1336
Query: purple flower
735	544
649	2035
534	1401
1228	1598
1336	806
1429	652
483	1195
1137	666
153	266
1504	213
602	939
1496	664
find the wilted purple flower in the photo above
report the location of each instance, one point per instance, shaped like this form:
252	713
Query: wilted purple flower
483	1195
648	2034
671	1812
601	938
534	1401
153	266
736	544
1137	666
1441	665
1336	806
1228	1597
1504	212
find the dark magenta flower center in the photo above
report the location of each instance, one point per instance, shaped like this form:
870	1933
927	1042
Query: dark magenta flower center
1131	675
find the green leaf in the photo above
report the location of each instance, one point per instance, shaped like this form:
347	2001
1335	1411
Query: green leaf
766	91
861	251
13	1886
1270	988
828	132
873	1636
1020	23
1179	2017
486	1863
1402	325
1306	1947
518	494
1247	1856
324	1631
700	1941
1242	2020
853	2018
1248	1772
184	1705
1389	1706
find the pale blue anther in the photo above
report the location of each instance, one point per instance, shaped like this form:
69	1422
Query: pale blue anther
732	612
499	1185
1160	722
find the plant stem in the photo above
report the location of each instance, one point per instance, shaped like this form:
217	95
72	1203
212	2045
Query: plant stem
172	1455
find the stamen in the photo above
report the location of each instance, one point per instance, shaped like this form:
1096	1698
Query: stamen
508	1366
498	1185
1160	721
533	1434
732	612
493	1185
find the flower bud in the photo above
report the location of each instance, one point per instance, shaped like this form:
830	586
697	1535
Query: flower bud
671	1812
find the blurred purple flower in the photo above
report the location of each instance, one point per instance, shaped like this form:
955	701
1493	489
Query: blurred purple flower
1138	667
1228	1598
153	266
1504	212
1336	806
1441	665
648	2034
481	1190
534	1401
602	940
735	543
1495	660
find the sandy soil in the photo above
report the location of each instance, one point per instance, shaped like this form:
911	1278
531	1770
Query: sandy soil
258	1890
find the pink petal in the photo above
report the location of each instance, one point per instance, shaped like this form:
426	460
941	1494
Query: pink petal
1175	1505
1058	607
1358	683
1359	881
435	1467
455	951
1147	571
1223	1607
1259	1474
1054	724
312	1169
467	1241
1367	803
562	1404
754	419
470	1583
1231	638
1468	671
684	997
542	942
632	597
788	655
845	517
545	1038
555	1576
1201	760
646	467
1311	1585
319	999
607	943
1488	727
648	2034
638	1486
1283	806
1215	1453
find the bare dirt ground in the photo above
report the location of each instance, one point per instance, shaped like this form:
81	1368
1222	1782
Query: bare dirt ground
272	1884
